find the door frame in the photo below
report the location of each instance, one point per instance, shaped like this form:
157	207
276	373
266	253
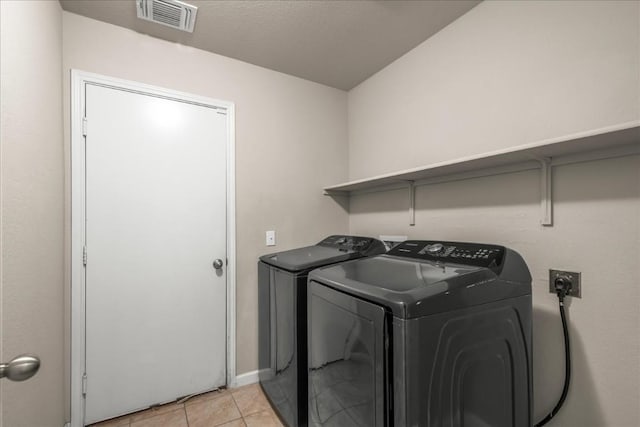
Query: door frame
79	80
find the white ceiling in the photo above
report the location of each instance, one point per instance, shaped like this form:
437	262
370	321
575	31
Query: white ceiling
336	43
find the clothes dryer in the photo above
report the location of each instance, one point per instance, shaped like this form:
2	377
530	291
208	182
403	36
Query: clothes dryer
429	334
282	312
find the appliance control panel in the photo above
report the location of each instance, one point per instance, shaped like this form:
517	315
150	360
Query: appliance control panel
349	243
477	254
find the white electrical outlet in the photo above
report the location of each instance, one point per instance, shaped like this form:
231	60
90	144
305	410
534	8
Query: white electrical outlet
271	238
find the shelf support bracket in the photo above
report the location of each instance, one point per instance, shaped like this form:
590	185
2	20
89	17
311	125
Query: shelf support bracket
546	200
412	203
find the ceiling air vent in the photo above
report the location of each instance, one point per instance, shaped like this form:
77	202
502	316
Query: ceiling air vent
172	13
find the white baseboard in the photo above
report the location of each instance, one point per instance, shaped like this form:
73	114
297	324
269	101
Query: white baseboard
245	379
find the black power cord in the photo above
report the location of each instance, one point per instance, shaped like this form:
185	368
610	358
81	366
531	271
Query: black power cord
563	286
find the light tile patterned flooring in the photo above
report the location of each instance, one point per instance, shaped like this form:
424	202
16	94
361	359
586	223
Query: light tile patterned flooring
245	406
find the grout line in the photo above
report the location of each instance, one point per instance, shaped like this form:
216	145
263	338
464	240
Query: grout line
186	417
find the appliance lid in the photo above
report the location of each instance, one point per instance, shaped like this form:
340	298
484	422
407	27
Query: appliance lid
330	250
414	286
306	258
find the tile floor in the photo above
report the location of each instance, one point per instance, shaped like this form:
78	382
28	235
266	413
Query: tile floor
239	407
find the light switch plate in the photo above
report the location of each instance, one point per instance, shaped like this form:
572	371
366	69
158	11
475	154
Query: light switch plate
271	238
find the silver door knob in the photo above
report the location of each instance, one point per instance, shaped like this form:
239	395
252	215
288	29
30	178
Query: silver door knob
20	368
217	264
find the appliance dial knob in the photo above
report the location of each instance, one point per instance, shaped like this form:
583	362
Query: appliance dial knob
435	249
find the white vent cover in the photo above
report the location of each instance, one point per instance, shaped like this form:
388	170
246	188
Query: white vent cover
172	13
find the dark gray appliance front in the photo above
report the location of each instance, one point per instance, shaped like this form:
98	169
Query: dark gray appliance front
282	312
347	360
422	338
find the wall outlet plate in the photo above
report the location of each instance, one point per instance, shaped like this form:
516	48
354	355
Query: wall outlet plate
574	277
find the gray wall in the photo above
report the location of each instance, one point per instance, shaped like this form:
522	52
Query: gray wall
506	74
32	182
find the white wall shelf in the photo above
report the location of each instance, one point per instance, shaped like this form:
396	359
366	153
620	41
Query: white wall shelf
613	141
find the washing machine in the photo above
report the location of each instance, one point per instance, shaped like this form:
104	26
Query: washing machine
282	312
429	334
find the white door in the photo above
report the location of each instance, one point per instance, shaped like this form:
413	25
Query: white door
155	224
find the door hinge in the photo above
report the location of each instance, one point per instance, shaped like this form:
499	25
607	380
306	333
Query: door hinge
84	126
84	255
84	384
